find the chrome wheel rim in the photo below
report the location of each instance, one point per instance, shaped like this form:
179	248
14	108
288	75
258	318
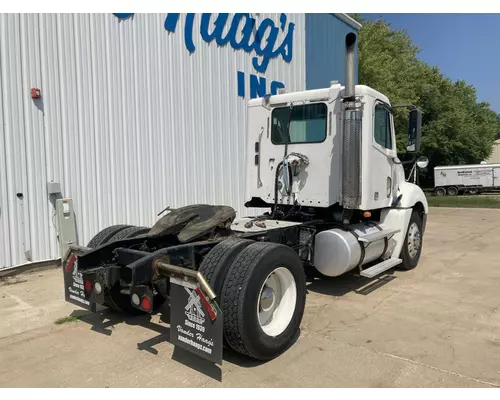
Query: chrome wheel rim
276	301
414	240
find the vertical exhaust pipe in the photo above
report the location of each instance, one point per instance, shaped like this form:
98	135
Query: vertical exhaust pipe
350	47
352	116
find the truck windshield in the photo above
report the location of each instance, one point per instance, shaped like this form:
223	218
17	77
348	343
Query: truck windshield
307	124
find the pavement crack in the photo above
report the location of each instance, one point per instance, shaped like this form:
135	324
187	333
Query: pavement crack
457	374
408	360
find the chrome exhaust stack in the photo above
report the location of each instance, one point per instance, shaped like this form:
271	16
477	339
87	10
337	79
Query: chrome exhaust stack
350	50
351	132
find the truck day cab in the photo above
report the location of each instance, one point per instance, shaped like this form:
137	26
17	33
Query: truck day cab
323	166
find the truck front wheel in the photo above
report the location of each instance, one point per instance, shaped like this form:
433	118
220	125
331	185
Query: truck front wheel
263	300
412	246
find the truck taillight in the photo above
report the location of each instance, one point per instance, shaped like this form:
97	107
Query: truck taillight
70	263
146	303
88	286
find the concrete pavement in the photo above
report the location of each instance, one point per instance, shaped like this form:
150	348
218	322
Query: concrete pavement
435	326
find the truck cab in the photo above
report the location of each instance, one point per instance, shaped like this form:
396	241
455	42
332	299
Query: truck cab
310	123
331	153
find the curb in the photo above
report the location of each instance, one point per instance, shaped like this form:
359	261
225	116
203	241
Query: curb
19	269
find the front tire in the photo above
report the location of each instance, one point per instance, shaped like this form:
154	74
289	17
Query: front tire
412	246
263	300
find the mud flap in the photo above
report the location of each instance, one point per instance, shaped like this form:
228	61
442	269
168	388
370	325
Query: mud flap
195	323
74	291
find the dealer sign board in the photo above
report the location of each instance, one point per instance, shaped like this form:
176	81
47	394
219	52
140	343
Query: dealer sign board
260	39
191	326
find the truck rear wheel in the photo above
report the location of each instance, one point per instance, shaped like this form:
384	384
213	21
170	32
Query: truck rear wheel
105	235
263	300
412	246
113	298
216	263
452	191
440	191
129	233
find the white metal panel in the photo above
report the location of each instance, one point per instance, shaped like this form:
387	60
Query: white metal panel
15	121
467	175
5	249
129	122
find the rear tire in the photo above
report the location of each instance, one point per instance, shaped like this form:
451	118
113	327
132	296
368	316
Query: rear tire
105	235
112	297
216	263
129	233
248	296
440	191
412	246
452	191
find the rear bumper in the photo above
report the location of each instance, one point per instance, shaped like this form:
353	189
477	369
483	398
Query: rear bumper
196	320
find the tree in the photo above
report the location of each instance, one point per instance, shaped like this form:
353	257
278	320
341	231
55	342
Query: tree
456	129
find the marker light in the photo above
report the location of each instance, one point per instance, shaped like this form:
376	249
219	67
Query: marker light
145	303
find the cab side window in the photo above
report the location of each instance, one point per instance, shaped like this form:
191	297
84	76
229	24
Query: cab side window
382	127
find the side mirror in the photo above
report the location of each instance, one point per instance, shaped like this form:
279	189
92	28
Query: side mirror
414	131
422	162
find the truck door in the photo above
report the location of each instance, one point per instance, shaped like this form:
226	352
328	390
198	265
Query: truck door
382	171
300	129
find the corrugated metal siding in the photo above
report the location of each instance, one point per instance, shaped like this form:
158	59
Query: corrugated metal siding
325	50
129	122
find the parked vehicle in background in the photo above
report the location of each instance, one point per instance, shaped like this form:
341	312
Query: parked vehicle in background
466	179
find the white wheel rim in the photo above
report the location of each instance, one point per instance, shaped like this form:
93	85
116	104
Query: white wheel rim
276	301
414	240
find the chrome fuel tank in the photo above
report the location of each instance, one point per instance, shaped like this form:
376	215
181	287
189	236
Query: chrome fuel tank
337	251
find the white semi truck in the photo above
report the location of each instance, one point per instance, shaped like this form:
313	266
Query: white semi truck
467	179
322	164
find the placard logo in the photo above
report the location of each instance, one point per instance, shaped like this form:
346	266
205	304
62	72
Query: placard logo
194	311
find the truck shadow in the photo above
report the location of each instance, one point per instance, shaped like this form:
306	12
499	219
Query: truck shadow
105	320
349	282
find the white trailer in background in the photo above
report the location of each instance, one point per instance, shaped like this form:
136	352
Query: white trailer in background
472	179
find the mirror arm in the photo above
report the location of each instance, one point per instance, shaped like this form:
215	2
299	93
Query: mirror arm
405	162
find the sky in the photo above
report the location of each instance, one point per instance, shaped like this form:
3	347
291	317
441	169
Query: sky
463	46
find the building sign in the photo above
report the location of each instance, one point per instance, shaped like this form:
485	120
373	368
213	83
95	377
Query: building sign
244	34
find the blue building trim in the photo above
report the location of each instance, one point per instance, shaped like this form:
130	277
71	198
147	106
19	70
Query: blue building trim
325	50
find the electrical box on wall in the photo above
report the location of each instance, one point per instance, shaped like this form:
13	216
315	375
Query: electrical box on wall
66	225
53	188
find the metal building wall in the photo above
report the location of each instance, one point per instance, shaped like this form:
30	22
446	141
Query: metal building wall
325	49
129	122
